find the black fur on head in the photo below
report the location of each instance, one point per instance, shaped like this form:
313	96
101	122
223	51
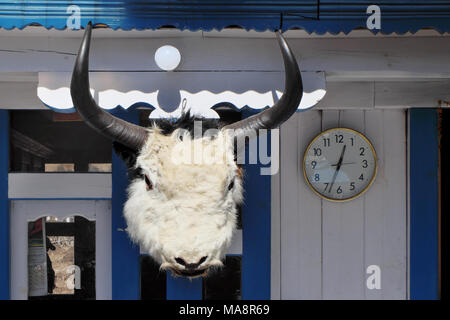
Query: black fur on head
128	156
186	122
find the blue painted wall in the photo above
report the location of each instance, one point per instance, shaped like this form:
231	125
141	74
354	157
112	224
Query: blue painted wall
4	205
256	237
183	289
424	160
125	255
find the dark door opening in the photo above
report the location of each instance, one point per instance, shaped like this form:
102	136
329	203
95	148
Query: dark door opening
61	259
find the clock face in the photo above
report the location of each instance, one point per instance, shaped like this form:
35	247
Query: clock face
340	164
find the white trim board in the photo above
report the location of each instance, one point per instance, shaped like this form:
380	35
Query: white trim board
368	95
59	185
19	95
340	93
409	54
200	90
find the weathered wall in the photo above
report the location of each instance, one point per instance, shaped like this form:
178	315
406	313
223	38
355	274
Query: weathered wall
325	247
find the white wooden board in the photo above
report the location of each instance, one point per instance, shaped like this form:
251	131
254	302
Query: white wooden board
59	185
411	54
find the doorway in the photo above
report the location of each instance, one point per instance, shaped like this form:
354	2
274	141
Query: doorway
60	249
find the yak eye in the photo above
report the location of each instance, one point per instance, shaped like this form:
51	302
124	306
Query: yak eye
231	185
148	182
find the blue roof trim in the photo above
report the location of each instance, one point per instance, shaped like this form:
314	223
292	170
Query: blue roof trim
332	16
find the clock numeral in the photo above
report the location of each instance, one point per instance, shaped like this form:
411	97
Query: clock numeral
326	187
316	177
313	164
326	142
339	190
317	152
339	138
352	186
352	141
364	162
362	151
361	177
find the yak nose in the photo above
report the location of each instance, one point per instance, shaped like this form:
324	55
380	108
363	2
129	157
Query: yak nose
190	266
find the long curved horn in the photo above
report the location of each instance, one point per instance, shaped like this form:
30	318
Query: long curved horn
284	108
128	134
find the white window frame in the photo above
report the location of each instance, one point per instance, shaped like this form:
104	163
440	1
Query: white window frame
24	211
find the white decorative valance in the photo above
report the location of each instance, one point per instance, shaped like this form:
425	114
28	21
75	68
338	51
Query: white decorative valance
165	91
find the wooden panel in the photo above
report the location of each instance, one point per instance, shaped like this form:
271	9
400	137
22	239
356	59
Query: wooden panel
421	94
301	213
275	231
330	119
309	219
385	204
326	247
289	175
374	208
103	243
20	95
52	53
236	243
18	279
343	245
348	95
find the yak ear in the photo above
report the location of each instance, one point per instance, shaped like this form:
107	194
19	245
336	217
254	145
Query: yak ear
228	114
128	155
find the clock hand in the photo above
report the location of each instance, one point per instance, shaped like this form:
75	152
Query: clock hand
338	166
334	165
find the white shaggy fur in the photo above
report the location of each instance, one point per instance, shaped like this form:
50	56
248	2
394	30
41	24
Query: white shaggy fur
190	213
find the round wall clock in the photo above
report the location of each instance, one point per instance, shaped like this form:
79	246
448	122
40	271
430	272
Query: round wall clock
340	164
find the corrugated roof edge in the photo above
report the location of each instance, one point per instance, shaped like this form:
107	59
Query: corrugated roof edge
311	27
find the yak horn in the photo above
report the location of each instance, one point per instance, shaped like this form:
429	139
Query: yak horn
284	108
128	134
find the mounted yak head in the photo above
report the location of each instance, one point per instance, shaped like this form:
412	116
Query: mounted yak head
183	213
